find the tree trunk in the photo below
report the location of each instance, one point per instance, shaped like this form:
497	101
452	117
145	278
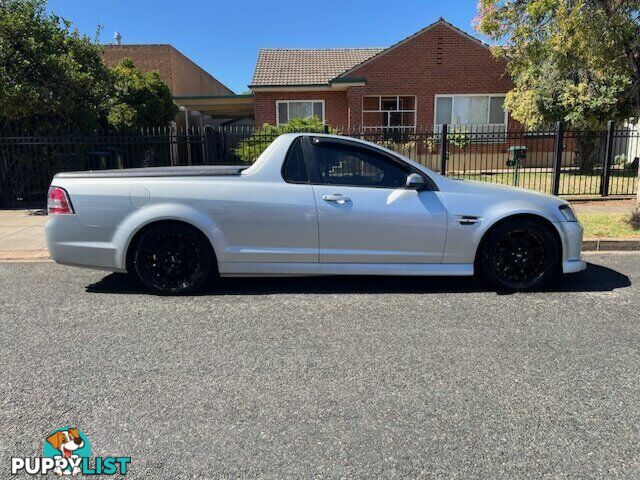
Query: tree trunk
587	149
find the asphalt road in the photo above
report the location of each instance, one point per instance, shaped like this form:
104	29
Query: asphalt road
335	377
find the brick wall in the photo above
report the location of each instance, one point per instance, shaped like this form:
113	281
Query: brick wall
335	105
441	60
182	75
189	79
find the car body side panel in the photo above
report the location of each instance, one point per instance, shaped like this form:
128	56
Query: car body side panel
256	218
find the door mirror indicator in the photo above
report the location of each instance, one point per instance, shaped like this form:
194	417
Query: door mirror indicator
416	182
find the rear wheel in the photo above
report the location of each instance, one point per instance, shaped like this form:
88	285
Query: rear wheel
172	259
519	255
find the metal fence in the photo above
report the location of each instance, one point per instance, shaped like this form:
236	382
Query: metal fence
27	163
554	160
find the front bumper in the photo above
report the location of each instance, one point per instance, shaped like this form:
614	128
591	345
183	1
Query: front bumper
571	237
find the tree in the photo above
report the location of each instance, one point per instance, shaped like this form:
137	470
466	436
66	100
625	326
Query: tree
571	60
138	99
51	77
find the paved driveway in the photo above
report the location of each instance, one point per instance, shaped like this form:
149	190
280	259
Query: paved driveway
334	377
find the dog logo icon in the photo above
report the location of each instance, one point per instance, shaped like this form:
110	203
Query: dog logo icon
69	444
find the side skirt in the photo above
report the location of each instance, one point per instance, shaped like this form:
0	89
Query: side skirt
241	269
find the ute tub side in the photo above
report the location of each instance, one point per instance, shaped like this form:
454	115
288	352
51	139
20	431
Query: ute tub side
107	217
105	248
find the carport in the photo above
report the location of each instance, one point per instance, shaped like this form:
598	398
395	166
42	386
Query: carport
202	110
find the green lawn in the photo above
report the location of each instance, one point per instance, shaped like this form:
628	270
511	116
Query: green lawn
623	182
607	225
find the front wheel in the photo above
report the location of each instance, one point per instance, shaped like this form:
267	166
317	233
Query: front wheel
519	255
172	259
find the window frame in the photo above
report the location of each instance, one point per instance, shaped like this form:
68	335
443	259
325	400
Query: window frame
315	178
388	112
278	102
436	126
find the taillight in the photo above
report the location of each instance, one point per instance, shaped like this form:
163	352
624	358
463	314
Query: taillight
58	202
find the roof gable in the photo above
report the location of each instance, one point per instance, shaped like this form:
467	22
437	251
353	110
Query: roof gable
440	21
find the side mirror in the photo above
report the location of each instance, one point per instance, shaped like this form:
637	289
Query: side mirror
416	182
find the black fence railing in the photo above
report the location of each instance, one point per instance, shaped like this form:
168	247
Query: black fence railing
553	160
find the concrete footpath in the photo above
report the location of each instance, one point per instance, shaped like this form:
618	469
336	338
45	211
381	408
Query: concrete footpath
22	231
22	235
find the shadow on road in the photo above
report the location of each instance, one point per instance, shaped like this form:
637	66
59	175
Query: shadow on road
594	279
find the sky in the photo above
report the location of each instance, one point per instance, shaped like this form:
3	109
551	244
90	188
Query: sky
223	37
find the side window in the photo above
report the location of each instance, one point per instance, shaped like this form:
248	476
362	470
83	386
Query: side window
294	170
341	164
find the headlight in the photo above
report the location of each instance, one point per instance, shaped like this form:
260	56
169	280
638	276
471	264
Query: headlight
568	213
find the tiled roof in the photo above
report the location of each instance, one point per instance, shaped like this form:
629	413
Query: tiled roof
307	67
282	67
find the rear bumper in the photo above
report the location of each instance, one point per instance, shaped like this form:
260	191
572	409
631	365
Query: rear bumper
72	243
571	236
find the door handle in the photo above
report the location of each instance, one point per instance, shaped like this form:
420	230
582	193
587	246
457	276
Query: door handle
336	198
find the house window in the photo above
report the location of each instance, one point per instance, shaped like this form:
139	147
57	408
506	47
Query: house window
471	110
287	110
389	113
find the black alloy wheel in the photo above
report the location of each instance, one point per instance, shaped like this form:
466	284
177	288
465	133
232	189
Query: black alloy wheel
172	259
520	255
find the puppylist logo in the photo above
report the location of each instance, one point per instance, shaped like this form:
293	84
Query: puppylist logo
67	452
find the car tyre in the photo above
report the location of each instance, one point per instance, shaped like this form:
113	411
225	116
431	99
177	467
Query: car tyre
519	255
172	259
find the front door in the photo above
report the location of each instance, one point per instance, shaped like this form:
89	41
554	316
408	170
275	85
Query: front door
365	213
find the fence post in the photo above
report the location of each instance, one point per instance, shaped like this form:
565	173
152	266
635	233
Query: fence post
2	182
443	151
2	173
209	146
608	157
557	159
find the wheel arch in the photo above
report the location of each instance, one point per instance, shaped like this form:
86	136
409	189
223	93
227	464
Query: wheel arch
135	237
518	216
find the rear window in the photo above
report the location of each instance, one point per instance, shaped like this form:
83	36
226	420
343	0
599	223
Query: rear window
294	169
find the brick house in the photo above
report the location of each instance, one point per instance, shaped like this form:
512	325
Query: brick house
438	75
181	74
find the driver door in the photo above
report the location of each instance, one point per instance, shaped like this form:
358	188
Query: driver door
365	213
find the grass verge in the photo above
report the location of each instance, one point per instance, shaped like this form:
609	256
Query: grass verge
607	225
